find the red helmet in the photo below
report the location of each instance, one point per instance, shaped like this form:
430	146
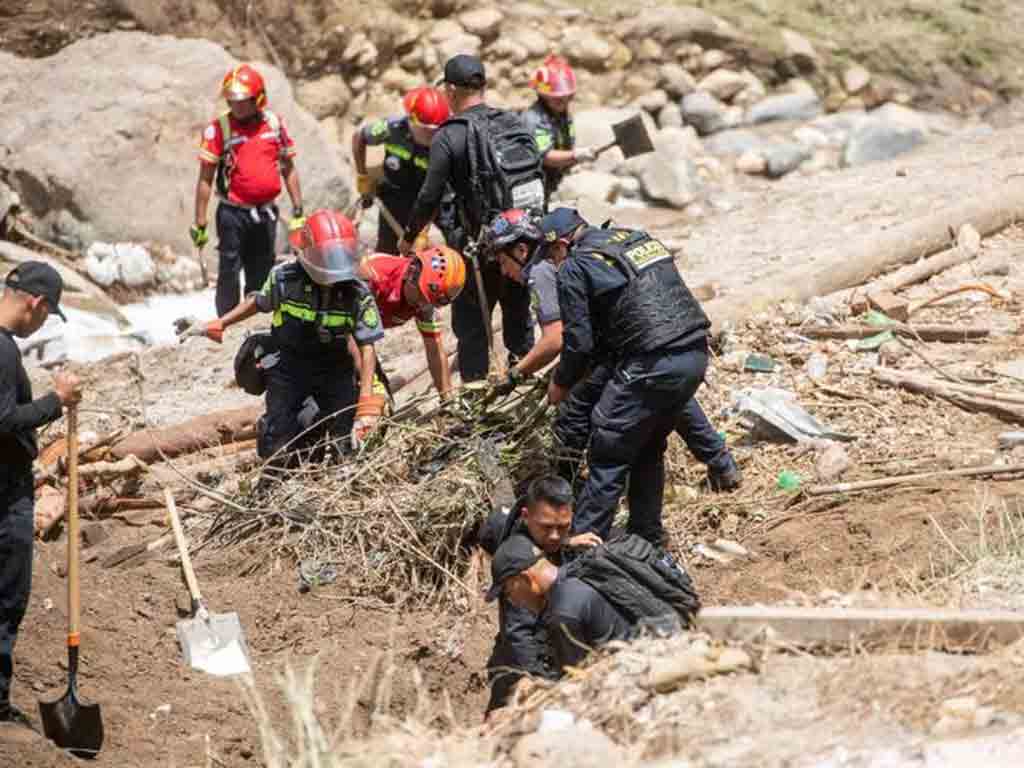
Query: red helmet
442	274
243	82
512	226
327	245
554	77
426	106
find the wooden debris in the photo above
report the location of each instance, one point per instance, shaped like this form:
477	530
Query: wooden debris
962	289
862	627
1003	405
946	333
194	435
104	471
889	482
132	554
668	674
890	305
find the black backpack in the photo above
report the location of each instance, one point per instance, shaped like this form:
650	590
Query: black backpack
641	581
505	168
254	356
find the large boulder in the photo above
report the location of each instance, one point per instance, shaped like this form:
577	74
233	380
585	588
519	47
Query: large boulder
117	150
706	113
680	24
802	105
669	174
882	136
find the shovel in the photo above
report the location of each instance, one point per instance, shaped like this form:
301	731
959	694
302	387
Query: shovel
631	137
210	642
69	722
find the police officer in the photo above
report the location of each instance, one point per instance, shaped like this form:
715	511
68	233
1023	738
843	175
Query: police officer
515	238
465	83
624	305
248	150
317	302
551	121
406	143
31	293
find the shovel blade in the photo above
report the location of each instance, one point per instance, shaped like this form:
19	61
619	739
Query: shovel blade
632	138
73	724
215	644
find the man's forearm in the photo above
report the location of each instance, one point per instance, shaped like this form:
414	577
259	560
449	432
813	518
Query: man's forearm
359	152
559	158
368	369
204	189
38	413
246	309
543	352
291	182
437	362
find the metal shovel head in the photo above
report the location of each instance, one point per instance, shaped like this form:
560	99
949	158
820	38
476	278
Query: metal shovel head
73	724
214	643
632	137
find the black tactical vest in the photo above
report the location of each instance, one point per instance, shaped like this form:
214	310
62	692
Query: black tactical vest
655	308
310	315
405	166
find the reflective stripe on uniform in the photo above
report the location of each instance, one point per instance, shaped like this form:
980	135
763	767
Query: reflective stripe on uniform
307	314
429	327
398	151
543	139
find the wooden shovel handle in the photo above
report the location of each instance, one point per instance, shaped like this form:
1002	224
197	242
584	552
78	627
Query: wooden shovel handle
389	217
74	599
605	147
179	539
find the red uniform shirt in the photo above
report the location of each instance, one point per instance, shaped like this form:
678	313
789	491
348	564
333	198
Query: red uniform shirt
385	274
251	157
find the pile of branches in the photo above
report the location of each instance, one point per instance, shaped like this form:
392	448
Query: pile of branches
397	521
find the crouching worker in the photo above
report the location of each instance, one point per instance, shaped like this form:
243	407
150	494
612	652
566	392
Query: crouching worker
317	303
609	592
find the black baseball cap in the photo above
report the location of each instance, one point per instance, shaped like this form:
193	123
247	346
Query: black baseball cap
558	224
464	71
515	555
38	279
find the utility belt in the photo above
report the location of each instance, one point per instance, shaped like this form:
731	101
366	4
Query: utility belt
255	212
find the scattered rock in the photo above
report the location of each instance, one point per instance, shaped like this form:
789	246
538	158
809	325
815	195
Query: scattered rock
784	158
126	263
461	43
683	23
485	23
751	163
733	142
397	79
588	49
713	59
534	41
669	175
855	79
811	137
671	116
443	30
586	183
577	746
93	534
723	84
878	138
360	53
706	291
510	50
799	51
832	464
324	96
676	81
785	106
891	352
653	101
889	304
704	112
968	239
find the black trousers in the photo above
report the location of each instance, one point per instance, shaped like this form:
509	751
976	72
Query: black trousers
245	241
17	529
468	322
327	376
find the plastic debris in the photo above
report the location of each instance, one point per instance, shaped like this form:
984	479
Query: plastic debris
775	415
788	481
758	363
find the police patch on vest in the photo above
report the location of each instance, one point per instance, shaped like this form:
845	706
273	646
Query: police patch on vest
369	317
392	163
647	253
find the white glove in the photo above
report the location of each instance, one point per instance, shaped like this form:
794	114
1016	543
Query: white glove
584	154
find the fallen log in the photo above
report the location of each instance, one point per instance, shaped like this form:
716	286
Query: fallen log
927	386
946	333
843	628
212	429
889	482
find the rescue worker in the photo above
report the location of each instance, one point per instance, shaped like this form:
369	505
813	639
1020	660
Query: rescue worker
515	238
245	152
32	292
406	288
318	302
625	306
551	122
520	647
406	143
465	83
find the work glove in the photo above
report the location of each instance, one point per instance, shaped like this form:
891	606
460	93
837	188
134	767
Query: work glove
368	412
584	154
199	235
296	222
508	383
364	185
213	330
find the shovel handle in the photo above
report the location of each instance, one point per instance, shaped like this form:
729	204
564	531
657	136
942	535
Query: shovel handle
179	539
74	599
605	147
389	217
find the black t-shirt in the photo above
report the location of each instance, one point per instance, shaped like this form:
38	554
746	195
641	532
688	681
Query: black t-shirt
20	415
578	618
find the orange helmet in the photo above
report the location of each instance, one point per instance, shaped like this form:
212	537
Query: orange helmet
243	82
554	77
442	274
426	106
327	246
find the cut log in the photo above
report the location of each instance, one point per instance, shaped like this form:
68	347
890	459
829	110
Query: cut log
946	333
104	471
206	431
889	482
928	386
843	628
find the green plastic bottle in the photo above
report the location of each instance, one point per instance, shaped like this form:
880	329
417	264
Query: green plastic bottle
788	481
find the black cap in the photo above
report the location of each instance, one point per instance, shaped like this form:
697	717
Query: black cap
515	555
39	279
464	71
558	224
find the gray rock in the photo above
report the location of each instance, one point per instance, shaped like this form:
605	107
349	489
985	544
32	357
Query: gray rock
855	79
676	81
589	50
704	112
461	43
751	163
485	23
653	101
713	59
734	142
324	96
509	49
839	125
670	116
532	40
723	84
595	185
669	175
361	53
784	158
879	139
785	106
669	25
800	51
147	116
444	29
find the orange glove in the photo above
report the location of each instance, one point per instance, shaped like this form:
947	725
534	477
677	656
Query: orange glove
368	413
215	331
